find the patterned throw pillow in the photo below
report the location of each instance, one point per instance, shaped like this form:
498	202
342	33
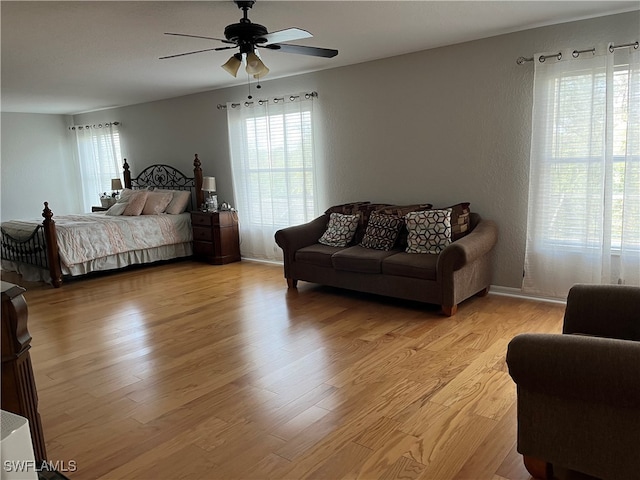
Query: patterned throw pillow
402	210
382	231
429	231
460	220
340	230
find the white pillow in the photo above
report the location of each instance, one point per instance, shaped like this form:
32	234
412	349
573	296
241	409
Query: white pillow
116	209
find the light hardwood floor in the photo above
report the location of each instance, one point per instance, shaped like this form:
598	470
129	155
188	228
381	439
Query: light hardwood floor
193	371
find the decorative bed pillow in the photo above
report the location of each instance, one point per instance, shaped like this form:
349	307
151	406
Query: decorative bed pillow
156	202
429	231
120	205
340	230
116	209
125	195
179	202
135	203
382	231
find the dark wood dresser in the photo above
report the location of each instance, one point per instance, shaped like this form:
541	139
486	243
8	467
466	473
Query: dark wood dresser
215	236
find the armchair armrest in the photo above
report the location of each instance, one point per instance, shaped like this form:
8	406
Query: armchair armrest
469	248
611	311
590	369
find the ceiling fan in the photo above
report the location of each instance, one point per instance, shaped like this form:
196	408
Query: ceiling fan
248	37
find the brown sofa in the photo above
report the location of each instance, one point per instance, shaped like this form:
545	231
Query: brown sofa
458	272
579	393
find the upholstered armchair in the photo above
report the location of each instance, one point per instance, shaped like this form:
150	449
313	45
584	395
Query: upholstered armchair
579	393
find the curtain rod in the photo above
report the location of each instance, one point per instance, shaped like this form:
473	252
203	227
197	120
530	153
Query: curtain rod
576	53
307	96
95	125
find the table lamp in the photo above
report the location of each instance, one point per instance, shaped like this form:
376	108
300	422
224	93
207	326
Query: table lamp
116	186
209	186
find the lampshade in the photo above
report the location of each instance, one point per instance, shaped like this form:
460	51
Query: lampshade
116	184
255	65
209	184
264	72
233	64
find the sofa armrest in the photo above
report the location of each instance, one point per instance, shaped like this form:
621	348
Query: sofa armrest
292	239
590	369
476	244
611	311
296	237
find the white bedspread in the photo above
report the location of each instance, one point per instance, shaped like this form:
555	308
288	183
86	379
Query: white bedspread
84	238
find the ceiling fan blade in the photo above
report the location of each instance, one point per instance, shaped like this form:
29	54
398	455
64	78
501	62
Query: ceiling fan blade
286	35
199	36
303	50
191	53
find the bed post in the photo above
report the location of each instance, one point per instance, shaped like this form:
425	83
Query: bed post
53	257
127	174
197	173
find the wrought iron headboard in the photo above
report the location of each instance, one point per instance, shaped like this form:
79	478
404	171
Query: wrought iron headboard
167	177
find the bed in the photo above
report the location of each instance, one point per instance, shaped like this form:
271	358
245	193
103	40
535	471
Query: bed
75	245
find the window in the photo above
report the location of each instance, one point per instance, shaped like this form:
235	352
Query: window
279	169
99	159
272	156
584	197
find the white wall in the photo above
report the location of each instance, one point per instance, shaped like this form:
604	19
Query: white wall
442	126
37	166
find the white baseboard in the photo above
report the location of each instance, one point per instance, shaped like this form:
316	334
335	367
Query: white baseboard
518	293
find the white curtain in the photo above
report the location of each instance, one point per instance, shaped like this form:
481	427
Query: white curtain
272	159
99	160
584	193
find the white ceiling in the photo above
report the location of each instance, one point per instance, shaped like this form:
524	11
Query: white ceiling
78	56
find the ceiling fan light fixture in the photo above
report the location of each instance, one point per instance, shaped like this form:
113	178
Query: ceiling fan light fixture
262	74
255	65
233	64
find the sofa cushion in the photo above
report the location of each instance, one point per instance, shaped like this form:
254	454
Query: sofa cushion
317	254
429	231
340	230
411	265
360	259
382	231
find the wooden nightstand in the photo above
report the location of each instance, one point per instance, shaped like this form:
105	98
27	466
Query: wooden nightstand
215	237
